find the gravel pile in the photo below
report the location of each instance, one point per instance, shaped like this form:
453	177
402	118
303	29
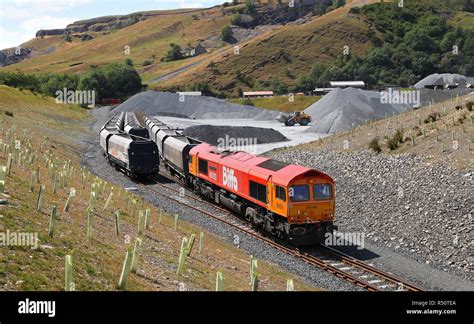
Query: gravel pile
442	79
342	109
215	134
154	103
434	96
94	160
402	203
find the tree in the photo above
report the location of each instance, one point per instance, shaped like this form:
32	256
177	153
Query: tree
174	53
227	34
320	9
278	87
249	7
236	19
112	81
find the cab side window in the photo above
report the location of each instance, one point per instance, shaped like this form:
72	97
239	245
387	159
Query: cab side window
280	193
203	166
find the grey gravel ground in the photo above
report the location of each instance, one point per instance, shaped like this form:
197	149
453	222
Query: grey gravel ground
416	217
93	159
153	103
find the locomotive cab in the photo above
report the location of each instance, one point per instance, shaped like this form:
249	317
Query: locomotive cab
310	207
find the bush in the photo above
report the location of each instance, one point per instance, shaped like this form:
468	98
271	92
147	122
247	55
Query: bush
108	81
432	118
392	144
236	19
469	105
418	131
354	10
249	7
320	9
398	135
247	102
147	63
227	34
173	54
374	145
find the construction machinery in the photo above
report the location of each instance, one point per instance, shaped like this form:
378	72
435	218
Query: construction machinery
297	118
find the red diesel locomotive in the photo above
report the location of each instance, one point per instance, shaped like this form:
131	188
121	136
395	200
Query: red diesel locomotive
294	203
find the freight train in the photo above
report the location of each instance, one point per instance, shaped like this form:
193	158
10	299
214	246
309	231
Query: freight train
136	156
291	202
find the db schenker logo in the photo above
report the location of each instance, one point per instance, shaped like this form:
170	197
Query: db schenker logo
229	179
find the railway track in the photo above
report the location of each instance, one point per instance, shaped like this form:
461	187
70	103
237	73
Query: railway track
332	261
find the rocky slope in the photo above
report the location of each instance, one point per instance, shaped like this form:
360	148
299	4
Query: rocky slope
402	203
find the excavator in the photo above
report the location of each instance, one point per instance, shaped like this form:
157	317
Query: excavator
297	118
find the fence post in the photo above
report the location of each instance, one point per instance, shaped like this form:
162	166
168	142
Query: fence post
32	181
72	193
190	244
290	285
147	218
89	224
39	201
176	217
140	219
117	223
69	285
107	202
3	178
253	274
125	270
182	256
201	242
52	220
219	281
136	254
9	164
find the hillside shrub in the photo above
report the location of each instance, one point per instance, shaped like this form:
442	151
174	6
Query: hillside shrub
374	145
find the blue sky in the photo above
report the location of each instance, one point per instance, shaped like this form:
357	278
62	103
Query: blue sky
20	19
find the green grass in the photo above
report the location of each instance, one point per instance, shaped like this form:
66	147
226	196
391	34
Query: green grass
280	103
464	20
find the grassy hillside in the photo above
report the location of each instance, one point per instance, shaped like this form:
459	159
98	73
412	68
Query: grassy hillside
282	54
147	40
54	133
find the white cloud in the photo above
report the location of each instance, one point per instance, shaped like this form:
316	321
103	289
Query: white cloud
46	22
13	13
56	5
